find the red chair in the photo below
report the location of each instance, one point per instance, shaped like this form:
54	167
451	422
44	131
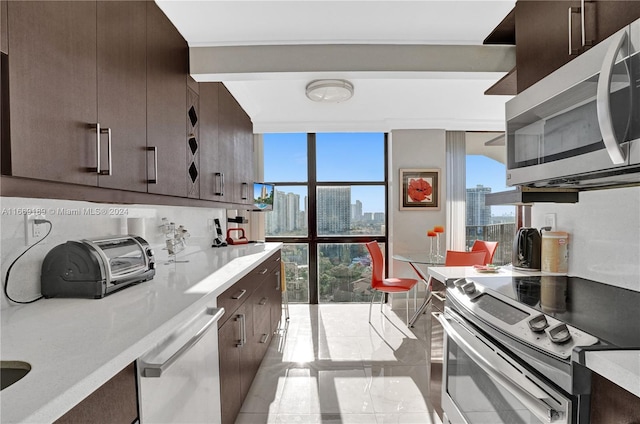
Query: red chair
386	285
457	258
489	247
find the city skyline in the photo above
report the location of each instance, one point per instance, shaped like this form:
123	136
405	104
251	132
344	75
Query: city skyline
335	164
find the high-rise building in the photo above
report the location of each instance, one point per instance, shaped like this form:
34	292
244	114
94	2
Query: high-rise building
477	212
286	213
334	210
356	211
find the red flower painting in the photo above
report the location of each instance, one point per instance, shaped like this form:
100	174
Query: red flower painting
419	189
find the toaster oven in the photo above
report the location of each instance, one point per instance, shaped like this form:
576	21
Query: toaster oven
94	268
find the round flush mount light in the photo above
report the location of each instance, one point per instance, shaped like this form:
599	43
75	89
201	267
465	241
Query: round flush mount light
329	91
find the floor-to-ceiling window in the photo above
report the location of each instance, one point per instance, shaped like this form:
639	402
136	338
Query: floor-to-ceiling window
330	199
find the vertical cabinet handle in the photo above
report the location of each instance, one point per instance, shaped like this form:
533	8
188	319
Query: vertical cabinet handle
96	126
264	338
571	11
243	330
154	149
107	131
263	301
219	183
99	131
245	191
277	274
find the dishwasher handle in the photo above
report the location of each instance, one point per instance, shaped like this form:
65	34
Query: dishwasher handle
156	370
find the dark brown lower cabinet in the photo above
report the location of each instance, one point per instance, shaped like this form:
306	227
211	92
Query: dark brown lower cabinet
611	403
115	402
245	332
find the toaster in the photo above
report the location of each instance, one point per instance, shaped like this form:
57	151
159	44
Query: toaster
94	268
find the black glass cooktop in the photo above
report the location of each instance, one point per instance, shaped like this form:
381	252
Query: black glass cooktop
609	313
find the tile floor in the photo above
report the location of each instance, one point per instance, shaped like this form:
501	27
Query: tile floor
329	365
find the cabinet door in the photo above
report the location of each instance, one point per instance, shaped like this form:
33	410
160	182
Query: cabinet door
542	38
167	69
226	141
611	16
209	157
122	79
115	402
53	100
243	156
229	353
275	290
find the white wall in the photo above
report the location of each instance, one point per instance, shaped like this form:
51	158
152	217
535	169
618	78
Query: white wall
408	229
604	231
140	220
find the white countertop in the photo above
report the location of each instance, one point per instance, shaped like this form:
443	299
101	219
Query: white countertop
622	367
76	345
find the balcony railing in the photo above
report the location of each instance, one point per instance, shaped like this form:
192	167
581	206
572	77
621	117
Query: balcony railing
502	233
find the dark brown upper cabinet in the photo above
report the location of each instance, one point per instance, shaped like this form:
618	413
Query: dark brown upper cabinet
78	92
53	93
210	181
548	34
167	70
227	132
122	87
4	46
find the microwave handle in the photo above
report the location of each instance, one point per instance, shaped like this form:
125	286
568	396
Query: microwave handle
532	402
603	103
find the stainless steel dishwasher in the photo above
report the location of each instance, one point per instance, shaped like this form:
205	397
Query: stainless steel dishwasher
179	378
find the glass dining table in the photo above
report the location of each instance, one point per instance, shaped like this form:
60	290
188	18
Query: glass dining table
415	260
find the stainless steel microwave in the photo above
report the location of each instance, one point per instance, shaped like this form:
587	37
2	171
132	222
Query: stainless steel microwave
580	125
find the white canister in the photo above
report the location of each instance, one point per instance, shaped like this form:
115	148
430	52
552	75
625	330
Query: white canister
555	252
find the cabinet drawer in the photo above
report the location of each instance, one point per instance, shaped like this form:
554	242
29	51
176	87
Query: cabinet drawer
235	296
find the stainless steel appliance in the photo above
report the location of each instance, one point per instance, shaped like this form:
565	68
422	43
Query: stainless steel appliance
527	248
94	268
179	379
580	125
514	347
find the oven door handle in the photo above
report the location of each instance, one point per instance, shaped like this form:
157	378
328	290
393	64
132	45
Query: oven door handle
529	397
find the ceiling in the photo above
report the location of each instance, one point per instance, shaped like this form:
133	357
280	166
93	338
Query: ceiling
413	64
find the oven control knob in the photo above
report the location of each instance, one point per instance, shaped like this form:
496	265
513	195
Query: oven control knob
469	288
538	323
459	283
558	333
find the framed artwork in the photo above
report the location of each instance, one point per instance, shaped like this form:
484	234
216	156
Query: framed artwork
420	189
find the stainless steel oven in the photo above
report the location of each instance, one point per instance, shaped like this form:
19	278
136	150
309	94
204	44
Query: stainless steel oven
514	347
484	384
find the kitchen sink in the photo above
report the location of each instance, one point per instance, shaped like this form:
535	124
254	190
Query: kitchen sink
12	371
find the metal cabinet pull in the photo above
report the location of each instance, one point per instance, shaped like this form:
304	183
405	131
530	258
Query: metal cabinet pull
263	301
571	11
154	149
245	191
239	294
243	330
96	126
603	101
219	183
108	132
264	338
264	271
437	296
277	274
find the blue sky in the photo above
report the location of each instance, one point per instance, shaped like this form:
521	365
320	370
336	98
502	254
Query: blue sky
357	157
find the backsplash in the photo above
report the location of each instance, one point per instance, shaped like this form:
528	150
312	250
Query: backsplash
74	220
604	234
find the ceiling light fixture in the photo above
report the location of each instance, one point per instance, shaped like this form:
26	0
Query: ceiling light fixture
329	91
